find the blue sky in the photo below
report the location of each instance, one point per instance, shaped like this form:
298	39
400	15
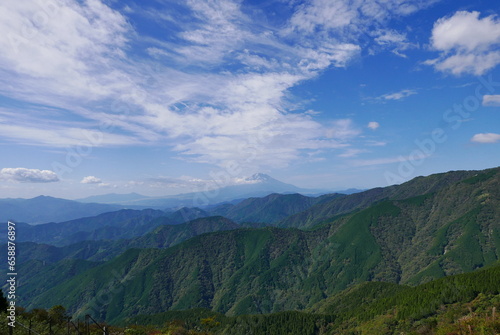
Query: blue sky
164	97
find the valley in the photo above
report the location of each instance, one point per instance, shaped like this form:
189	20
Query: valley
274	254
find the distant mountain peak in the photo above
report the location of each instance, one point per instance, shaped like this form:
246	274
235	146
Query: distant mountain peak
259	178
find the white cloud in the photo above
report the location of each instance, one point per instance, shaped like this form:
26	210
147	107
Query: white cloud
80	59
60	136
342	130
91	180
395	41
106	185
62	46
491	100
373	125
468	43
193	184
486	138
324	15
397	95
24	175
376	143
217	91
351	153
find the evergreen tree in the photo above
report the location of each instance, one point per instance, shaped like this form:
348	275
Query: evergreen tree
3	302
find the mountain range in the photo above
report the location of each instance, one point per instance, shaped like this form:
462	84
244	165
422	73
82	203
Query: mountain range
257	185
44	209
310	250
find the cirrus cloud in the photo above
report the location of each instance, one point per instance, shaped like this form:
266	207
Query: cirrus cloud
218	89
397	95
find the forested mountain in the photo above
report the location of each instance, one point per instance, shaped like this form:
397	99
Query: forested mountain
270	209
461	304
409	234
121	224
163	236
342	205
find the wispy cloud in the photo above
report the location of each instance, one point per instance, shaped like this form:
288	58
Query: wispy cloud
351	152
387	160
396	42
217	90
397	95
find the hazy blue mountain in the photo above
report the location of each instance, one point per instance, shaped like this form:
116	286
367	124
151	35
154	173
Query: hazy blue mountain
258	185
48	209
186	214
121	224
113	198
124	223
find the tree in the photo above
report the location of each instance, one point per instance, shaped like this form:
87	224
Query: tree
3	302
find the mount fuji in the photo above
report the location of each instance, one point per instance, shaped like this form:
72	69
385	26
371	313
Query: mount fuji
257	185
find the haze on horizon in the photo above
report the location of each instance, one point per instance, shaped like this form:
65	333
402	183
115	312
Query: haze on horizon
168	97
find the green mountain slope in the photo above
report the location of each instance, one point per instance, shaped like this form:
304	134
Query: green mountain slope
270	209
446	306
453	227
460	304
342	205
163	236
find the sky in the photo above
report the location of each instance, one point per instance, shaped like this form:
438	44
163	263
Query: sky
164	97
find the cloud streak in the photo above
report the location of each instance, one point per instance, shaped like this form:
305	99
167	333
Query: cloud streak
397	95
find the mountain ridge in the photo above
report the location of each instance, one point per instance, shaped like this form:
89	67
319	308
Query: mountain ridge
43	209
434	226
